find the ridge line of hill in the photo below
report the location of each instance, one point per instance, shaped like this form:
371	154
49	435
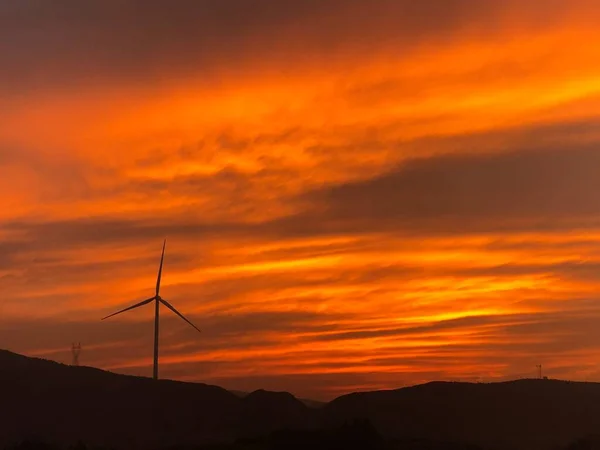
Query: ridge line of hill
65	404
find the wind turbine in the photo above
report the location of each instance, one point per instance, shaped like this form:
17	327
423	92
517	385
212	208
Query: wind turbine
157	299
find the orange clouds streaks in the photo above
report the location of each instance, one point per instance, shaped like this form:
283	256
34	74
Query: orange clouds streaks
334	359
550	60
329	352
459	254
234	163
429	290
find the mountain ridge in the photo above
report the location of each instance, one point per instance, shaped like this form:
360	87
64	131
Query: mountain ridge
61	403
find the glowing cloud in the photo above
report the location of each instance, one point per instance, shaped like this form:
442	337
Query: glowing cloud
358	199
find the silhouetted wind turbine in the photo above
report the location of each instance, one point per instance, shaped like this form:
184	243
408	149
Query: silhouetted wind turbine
157	299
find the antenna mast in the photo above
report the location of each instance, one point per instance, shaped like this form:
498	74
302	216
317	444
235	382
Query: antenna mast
76	350
539	367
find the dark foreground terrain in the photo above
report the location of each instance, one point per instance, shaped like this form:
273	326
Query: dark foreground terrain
46	402
349	437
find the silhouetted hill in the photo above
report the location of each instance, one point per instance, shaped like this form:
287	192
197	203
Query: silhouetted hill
264	412
523	414
315	404
46	401
53	402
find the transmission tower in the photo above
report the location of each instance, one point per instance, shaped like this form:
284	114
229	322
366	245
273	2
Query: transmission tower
539	368
76	350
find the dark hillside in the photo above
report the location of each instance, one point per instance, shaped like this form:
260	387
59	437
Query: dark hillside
59	403
524	414
50	402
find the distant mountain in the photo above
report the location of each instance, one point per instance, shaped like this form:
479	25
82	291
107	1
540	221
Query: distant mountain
315	404
45	401
265	412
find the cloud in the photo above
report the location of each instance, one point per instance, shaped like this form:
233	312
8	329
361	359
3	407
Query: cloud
100	41
354	194
132	38
520	190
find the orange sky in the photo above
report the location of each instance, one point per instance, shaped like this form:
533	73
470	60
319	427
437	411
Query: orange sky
357	195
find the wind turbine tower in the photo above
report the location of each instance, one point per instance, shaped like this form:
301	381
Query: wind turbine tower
158	300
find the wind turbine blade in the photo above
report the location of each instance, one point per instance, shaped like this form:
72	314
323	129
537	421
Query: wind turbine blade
172	308
137	305
162	258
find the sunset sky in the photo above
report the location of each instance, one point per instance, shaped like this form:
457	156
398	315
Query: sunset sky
357	194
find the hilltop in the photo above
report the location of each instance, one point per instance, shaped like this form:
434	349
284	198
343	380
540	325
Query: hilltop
51	401
308	402
48	401
523	414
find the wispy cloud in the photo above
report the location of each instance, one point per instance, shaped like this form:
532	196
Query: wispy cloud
353	199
